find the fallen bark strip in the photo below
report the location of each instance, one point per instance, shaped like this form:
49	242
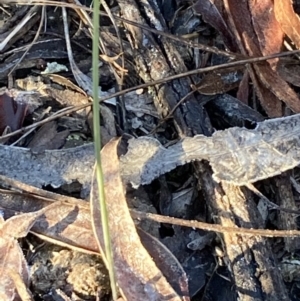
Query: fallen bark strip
237	155
54	168
251	259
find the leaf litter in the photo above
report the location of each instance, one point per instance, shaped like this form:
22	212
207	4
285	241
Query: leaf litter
14	269
237	155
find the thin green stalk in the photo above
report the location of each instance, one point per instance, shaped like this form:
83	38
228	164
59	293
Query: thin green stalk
97	138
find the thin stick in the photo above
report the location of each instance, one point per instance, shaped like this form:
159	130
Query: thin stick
213	227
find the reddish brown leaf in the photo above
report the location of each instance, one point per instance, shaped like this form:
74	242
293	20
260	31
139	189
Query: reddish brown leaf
12	114
66	225
11	258
258	33
279	87
288	20
22	288
137	275
243	91
271	104
266	27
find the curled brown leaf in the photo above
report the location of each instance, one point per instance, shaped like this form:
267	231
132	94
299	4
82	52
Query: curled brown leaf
137	275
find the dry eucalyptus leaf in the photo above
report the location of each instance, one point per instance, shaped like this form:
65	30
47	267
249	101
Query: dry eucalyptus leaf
258	33
212	16
11	258
70	225
137	275
47	137
66	97
167	263
243	91
63	81
266	27
279	87
289	70
21	287
12	113
11	255
288	20
219	81
112	60
66	225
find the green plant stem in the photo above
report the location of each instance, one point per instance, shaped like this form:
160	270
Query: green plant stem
97	138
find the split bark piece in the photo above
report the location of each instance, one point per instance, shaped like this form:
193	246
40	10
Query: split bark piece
248	257
211	14
152	64
285	198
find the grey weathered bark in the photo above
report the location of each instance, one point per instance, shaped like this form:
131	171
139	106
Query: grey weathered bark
251	261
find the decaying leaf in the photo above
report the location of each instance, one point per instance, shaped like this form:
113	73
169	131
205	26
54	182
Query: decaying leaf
47	137
288	20
243	91
289	70
212	16
258	33
66	225
220	81
275	84
63	81
21	287
112	60
69	225
166	262
12	113
137	275
14	268
266	27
